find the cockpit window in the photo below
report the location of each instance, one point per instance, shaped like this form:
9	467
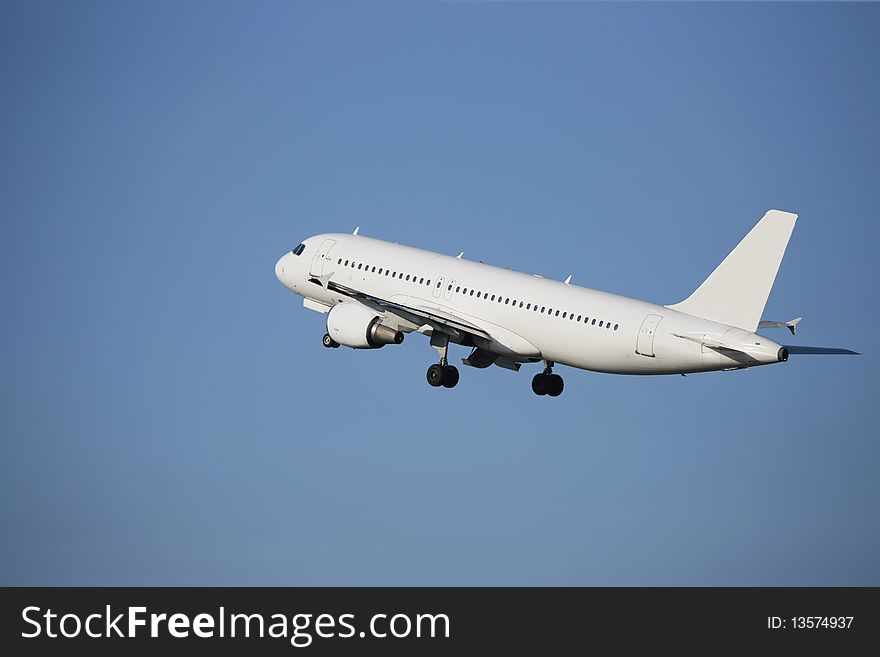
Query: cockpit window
299	249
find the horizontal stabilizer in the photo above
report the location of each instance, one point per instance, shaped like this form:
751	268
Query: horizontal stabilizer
793	349
705	341
790	325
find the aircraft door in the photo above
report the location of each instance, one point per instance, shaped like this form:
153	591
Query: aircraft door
645	341
438	287
321	258
447	291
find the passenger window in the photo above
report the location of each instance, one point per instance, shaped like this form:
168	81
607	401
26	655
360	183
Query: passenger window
457	289
346	263
421	280
407	277
564	315
615	326
543	308
449	288
472	293
339	262
594	321
493	297
373	270
528	306
600	324
579	318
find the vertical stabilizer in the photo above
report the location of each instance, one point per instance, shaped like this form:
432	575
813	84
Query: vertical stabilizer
736	292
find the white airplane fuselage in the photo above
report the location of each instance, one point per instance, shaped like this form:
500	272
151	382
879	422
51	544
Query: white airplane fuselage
527	318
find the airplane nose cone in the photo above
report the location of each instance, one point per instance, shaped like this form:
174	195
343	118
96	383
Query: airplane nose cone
279	268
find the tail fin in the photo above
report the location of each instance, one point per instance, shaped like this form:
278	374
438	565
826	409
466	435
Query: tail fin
736	292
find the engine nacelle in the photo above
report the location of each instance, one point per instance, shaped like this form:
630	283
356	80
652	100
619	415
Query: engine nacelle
358	327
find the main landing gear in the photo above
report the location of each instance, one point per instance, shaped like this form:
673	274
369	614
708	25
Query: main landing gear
547	383
329	342
442	373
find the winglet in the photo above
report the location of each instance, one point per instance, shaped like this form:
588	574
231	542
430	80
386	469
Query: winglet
355	231
459	256
568	280
322	280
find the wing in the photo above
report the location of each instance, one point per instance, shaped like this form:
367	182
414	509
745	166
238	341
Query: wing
423	314
437	318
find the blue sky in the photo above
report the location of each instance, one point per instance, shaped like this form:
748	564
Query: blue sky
169	416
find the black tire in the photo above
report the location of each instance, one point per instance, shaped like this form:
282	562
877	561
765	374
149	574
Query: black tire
435	375
556	385
539	384
329	342
450	376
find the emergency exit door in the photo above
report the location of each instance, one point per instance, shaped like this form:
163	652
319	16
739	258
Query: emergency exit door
645	342
321	258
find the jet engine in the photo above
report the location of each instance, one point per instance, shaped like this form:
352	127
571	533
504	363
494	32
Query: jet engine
359	327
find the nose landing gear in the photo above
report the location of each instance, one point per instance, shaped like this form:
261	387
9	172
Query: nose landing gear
547	383
329	342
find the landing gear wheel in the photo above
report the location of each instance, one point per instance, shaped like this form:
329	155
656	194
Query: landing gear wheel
450	376
556	385
435	375
540	384
329	342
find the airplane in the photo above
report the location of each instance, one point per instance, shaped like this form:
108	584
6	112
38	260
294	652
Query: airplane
374	292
